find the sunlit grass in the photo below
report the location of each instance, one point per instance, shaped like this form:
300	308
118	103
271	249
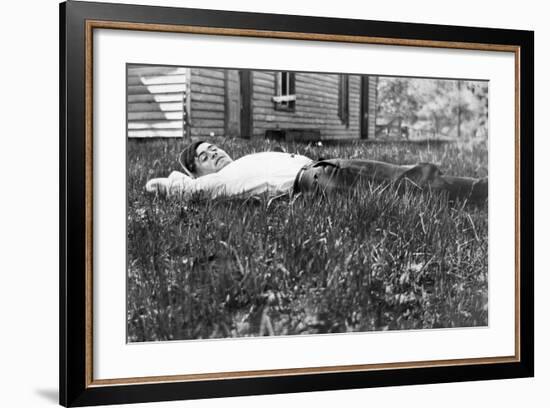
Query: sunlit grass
367	260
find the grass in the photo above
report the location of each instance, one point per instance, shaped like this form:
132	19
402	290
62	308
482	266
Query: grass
362	261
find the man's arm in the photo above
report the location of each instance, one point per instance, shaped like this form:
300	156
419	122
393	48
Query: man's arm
175	184
180	185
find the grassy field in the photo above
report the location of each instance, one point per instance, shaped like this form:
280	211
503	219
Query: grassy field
362	261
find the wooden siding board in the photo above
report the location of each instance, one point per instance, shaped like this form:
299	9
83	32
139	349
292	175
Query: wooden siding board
305	90
317	85
154	133
208	123
155	79
214	90
201	132
155	106
204	106
203	97
154	124
314	123
264	92
328	100
292	123
266	83
155	115
202	114
317	77
264	75
327	88
302	109
202	80
303	112
208	73
155	70
156	89
141	98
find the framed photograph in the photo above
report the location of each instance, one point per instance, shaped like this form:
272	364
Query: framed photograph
256	203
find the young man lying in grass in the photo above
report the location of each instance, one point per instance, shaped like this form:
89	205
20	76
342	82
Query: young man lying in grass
213	173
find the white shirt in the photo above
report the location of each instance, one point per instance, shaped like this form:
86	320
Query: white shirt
272	173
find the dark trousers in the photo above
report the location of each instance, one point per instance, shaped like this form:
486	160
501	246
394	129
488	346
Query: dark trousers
340	175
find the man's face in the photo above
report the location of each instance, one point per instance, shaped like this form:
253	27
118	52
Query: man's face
210	159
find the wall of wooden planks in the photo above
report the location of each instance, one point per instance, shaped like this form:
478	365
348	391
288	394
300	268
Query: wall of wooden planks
316	105
180	102
156	101
207	116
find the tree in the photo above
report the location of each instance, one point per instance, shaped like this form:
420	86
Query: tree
447	107
396	99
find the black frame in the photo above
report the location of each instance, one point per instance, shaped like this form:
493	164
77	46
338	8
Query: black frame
73	389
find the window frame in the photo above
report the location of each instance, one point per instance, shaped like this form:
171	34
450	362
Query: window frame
285	101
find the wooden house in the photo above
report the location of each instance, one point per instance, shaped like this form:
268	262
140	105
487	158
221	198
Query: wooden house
165	101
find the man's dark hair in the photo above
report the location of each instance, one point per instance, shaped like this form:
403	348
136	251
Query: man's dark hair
187	156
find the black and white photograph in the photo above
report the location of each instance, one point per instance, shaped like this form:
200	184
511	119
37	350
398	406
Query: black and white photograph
280	203
274	204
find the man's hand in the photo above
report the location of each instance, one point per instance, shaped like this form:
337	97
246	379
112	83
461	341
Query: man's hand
174	185
158	186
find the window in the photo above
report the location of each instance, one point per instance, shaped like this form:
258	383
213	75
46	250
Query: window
343	99
285	93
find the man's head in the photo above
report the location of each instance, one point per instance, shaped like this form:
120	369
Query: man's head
202	158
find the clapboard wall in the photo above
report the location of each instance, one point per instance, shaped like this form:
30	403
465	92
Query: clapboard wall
207	117
156	101
316	105
181	102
